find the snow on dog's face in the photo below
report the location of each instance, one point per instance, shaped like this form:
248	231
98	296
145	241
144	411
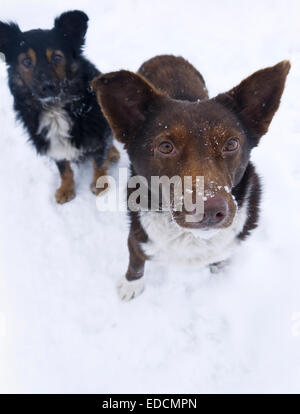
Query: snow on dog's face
210	138
45	62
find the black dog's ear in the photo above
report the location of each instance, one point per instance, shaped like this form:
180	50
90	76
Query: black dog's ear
256	99
9	35
73	26
125	99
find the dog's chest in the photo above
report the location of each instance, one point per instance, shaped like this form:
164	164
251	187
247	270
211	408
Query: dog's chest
55	124
170	243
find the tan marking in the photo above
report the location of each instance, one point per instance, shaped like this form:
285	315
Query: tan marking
112	156
26	74
49	53
66	191
60	68
31	53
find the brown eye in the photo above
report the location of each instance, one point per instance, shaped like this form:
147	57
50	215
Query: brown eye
166	148
232	145
27	63
57	58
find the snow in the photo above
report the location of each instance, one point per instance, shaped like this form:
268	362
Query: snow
62	326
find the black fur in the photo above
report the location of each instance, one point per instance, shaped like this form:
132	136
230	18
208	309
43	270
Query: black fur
90	131
249	190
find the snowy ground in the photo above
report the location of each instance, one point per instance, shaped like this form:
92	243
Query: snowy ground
62	326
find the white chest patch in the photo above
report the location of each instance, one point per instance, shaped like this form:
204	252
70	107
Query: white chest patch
57	123
170	242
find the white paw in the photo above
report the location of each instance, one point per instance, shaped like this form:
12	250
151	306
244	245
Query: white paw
128	290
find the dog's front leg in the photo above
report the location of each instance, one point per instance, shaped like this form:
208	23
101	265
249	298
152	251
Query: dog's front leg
66	191
132	284
101	166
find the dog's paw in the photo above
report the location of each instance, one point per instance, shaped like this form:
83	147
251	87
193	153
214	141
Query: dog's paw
128	290
63	195
218	267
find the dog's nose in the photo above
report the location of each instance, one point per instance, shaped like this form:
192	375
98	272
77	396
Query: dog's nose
48	88
215	211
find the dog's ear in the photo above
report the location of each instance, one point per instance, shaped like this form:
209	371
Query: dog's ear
9	35
73	26
256	99
126	100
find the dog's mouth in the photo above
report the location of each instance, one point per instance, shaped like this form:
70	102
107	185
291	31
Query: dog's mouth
200	226
61	98
49	100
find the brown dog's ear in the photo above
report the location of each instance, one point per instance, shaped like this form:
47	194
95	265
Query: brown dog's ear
257	98
126	100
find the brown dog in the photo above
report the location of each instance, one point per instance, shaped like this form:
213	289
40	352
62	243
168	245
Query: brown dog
171	128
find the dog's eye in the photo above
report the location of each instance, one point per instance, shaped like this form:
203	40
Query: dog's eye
57	58
232	145
27	63
166	147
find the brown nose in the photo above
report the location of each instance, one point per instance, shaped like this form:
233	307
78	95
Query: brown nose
215	211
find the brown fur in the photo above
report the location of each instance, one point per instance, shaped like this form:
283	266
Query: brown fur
26	74
137	257
175	76
113	156
32	55
256	99
199	131
49	54
66	191
60	68
137	237
167	102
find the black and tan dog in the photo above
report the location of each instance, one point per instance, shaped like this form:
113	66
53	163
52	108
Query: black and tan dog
171	128
49	79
